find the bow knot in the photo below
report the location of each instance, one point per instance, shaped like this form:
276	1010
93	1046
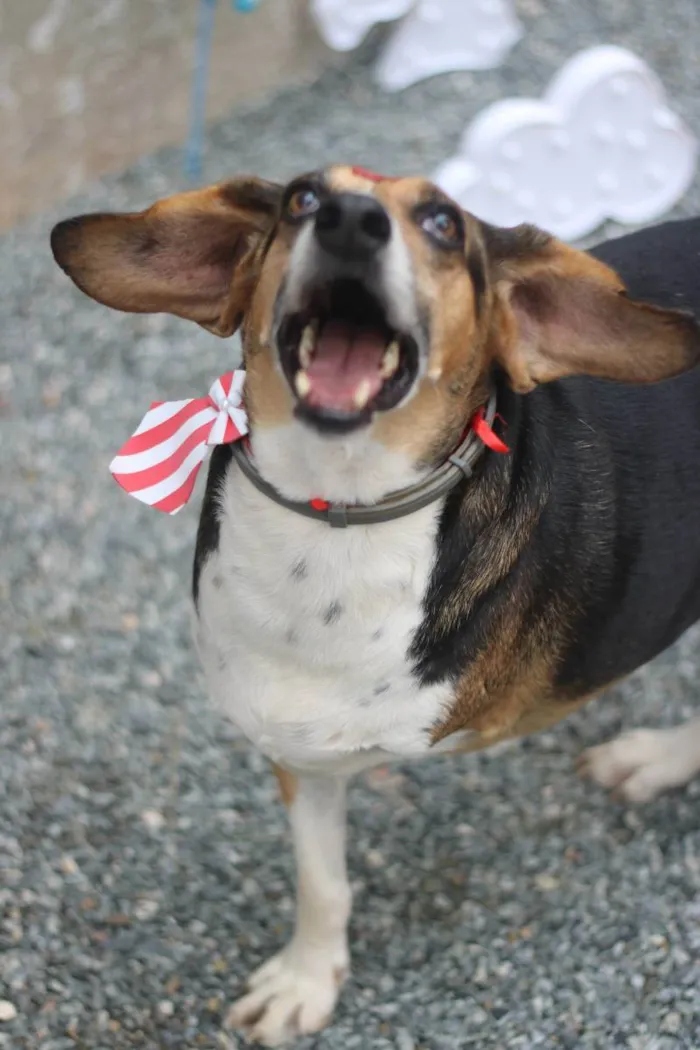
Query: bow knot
159	463
226	396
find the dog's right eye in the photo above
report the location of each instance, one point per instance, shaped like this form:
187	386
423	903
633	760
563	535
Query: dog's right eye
302	202
443	225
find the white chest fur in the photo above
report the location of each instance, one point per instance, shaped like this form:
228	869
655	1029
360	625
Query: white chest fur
304	631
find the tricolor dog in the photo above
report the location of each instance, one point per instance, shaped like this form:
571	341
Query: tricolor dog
469	501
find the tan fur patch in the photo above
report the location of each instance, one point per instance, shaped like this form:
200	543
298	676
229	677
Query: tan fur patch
288	784
342	178
537	715
268	398
534	713
455	383
508	690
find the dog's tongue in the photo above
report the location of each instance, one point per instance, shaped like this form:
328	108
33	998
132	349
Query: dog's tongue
345	358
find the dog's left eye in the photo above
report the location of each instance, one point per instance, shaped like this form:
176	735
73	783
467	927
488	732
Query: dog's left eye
303	201
442	225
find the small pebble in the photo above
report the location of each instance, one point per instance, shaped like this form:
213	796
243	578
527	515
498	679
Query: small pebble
146	909
404	1040
375	859
153	819
8	1010
546	882
672	1023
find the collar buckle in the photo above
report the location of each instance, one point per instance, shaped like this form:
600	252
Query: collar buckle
463	464
337	516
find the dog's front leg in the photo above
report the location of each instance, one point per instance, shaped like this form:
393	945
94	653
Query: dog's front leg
295	992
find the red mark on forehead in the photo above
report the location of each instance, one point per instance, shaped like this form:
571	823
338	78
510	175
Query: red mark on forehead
365	173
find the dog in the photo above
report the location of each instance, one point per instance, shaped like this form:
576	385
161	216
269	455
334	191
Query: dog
470	500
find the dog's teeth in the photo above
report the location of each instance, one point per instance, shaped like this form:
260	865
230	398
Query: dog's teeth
361	396
306	345
390	361
302	383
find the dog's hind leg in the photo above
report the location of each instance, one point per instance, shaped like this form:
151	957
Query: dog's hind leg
295	992
643	763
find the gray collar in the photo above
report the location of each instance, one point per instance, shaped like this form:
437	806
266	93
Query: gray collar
397	504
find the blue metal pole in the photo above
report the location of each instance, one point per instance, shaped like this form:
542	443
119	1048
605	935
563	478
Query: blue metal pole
194	149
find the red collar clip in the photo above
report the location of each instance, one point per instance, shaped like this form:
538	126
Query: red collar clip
486	433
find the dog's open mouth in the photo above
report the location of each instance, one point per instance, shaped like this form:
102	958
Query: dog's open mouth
342	359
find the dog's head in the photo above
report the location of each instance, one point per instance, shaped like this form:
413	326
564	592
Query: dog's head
367	302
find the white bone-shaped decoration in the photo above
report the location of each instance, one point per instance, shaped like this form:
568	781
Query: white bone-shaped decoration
344	23
602	144
439	36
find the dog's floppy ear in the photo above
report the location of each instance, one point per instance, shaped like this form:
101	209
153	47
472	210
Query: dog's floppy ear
560	312
194	255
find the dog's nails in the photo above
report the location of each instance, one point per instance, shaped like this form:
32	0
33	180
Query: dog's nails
302	383
361	395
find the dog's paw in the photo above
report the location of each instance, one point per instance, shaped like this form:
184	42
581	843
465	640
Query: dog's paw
642	764
293	994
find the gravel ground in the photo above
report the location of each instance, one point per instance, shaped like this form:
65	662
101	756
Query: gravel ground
144	861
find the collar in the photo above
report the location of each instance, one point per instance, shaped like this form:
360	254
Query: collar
159	463
438	483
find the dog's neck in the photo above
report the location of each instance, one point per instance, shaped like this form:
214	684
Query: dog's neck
357	468
303	465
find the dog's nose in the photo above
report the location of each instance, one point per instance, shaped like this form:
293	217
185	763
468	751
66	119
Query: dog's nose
352	225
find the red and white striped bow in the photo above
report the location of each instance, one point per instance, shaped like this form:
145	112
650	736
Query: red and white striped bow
159	463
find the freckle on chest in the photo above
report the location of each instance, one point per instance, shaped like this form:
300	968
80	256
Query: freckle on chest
332	613
300	569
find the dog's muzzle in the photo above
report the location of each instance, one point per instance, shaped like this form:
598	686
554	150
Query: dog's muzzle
341	354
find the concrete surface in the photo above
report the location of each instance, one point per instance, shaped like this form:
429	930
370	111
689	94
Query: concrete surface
144	859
